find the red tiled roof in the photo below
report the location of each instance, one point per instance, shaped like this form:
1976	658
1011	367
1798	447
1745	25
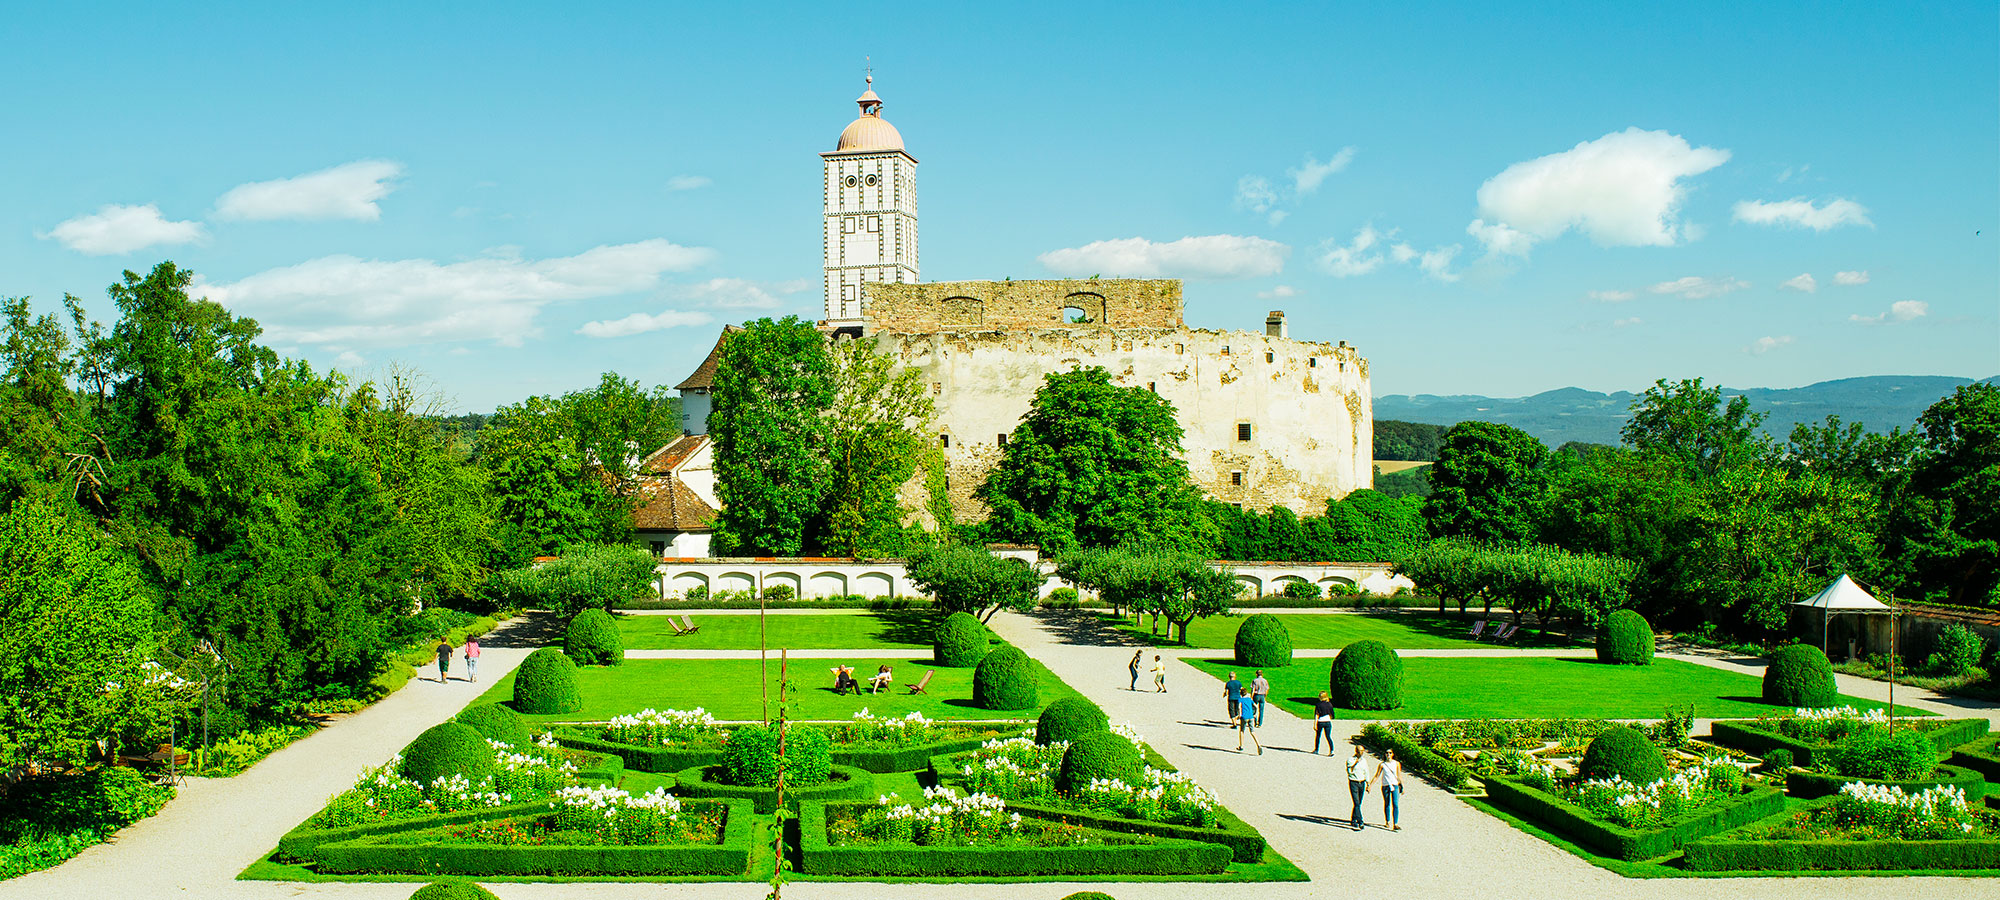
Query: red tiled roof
704	374
667	504
670	457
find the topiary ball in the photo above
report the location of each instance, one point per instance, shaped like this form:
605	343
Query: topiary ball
960	641
1098	755
1068	719
1088	895
1625	639
445	750
750	757
1624	752
453	890
1262	642
1367	675
546	684
496	723
593	639
1005	679
1799	676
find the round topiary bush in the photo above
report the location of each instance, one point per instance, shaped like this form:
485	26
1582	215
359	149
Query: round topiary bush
546	684
1088	895
1068	719
960	641
1625	639
1623	752
593	640
448	749
453	890
1005	679
1301	590
1799	676
1905	755
750	757
1262	642
1098	755
1367	675
496	723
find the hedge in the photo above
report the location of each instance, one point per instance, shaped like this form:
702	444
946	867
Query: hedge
1794	856
1244	842
668	760
1005	679
453	890
1143	855
1576	823
664	760
731	856
914	757
1263	642
300	842
1810	785
1366	674
857	785
960	641
1625	752
496	722
546	684
1751	735
445	749
1984	758
1625	639
1439	769
593	640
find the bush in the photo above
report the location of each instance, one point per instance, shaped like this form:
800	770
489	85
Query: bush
1367	675
445	750
1799	676
779	593
1623	752
750	758
1263	643
1068	719
1005	679
1876	753
1088	895
496	722
1959	649
546	683
1625	639
1062	598
1302	590
1098	755
103	799
960	641
453	890
593	640
696	594
1779	760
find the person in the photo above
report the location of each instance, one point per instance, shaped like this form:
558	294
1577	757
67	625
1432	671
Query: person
1390	773
1246	721
1357	784
472	659
1159	675
1232	693
843	680
1138	656
883	678
444	660
1323	722
1259	689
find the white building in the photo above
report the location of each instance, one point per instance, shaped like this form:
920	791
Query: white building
870	221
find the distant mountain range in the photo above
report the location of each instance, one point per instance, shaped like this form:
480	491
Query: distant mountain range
1879	402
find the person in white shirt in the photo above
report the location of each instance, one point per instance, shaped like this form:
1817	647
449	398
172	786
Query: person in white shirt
1390	773
1359	773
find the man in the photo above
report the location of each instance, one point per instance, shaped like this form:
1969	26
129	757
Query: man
1359	773
1258	689
1231	694
1245	717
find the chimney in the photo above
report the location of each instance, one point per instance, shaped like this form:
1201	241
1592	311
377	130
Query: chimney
1274	324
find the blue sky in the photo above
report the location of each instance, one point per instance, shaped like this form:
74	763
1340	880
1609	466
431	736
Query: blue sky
1483	199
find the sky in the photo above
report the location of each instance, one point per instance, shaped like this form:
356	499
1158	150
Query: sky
1494	199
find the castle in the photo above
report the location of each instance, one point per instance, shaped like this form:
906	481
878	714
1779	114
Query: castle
1268	420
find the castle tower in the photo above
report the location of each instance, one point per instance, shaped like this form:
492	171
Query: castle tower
870	225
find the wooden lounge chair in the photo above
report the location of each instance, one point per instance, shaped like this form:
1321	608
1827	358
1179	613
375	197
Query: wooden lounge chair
922	683
678	630
1505	634
691	626
1477	628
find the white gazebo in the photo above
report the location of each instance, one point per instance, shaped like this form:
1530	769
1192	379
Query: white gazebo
1842	596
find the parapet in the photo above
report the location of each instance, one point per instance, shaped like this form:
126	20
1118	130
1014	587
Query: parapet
1001	305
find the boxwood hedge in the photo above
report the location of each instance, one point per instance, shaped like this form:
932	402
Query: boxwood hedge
1419	760
593	640
845	783
1005	679
1756	736
1809	785
731	856
1577	824
1244	842
879	760
1127	854
960	641
1983	757
496	722
1720	855
1262	642
1625	639
546	684
453	890
1366	675
637	757
447	749
1068	719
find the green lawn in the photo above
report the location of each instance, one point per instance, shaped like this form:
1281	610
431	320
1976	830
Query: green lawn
728	689
1411	631
888	629
1532	688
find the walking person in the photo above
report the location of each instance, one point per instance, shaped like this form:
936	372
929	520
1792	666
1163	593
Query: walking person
444	660
1159	675
1246	722
1390	773
472	659
1323	722
1259	689
1138	656
1232	691
1358	776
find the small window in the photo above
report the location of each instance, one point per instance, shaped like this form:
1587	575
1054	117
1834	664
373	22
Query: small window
1225	349
1243	431
847	224
1180	348
1270	357
1236	478
850	181
874	223
659	547
1237	505
1153	386
944	440
937	387
1312	362
872	180
1001	440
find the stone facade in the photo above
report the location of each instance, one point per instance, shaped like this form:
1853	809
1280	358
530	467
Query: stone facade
1014	305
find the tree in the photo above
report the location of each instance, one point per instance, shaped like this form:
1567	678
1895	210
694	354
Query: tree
970	580
1945	528
1688	422
1485	483
41	418
1851	451
597	576
876	438
1445	569
773	386
1407	440
1094	465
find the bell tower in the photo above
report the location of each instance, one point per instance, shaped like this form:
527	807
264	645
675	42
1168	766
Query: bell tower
870	224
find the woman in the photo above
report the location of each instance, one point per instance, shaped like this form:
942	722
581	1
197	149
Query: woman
1391	775
1323	722
1137	657
1159	675
1246	720
882	679
472	659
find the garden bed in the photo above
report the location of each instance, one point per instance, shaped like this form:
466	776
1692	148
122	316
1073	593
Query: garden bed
1727	855
1863	828
1611	839
444	850
1813	785
1103	853
1760	736
844	783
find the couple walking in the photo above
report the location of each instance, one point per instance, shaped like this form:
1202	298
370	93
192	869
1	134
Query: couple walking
1362	774
1159	671
1246	707
471	660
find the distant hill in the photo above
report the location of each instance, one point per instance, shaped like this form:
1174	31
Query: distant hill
1879	402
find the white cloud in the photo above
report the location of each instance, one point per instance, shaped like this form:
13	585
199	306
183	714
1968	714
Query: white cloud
344	302
1610	296
1209	256
1357	257
1254	193
1695	287
122	229
1308	177
737	293
349	359
1899	311
1801	213
688	182
1623	190
1765	345
1850	278
1437	263
1279	215
1804	282
1278	293
1628	322
346	191
640	323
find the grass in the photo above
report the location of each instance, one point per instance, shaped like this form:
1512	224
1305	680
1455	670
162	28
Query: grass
729	690
888	629
1414	631
1535	688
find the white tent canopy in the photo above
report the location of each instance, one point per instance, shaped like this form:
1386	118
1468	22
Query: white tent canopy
1843	595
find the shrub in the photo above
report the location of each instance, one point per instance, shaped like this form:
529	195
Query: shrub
1263	643
496	722
1625	639
1098	755
1005	679
1959	649
445	750
1088	895
546	683
1876	753
750	758
1068	719
1062	598
1799	676
696	594
1626	753
593	639
1302	590
960	641
779	593
1779	760
1367	675
99	800
453	890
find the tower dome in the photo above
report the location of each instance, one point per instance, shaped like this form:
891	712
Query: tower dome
869	131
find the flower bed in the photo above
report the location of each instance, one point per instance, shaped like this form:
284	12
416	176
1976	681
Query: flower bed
845	783
1809	734
1658	836
1810	785
677	740
1865	827
586	834
831	842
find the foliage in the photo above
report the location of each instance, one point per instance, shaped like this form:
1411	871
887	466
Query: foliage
495	723
750	758
1625	639
1177	585
49	818
912	730
1625	753
1263	643
1088	895
1408	484
384	794
960	641
1098	755
1367	675
1959	650
1940	813
1653	804
944	820
1407	440
1485	483
876	436
1944	531
1687	422
969	579
452	890
589	576
773	387
593	639
1878	753
546	683
1778	761
652	728
1005	679
235	754
1302	590
1418	759
612	816
1800	676
1364	525
1068	719
445	750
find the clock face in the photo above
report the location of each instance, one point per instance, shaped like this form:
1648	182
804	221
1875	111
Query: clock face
872	180
851	180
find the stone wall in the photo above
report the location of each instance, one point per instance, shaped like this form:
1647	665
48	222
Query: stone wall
990	305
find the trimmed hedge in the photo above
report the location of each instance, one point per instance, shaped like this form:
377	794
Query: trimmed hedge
1367	675
495	722
1625	639
1810	785
1244	842
960	642
446	749
1088	895
1577	824
1263	642
1795	856
1437	768
668	760
546	684
1753	736
1625	752
1068	719
750	759
453	890
300	843
1880	753
664	760
1005	679
845	783
729	857
1142	856
1983	758
1799	675
912	758
593	640
1097	755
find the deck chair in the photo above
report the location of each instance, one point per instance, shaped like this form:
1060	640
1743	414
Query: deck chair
691	626
922	683
678	630
1477	627
1505	634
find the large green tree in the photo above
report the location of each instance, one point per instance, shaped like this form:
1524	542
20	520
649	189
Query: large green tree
772	390
875	440
967	579
1486	483
1945	525
1689	422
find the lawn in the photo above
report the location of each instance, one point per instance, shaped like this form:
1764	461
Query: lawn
728	689
1403	631
888	629
1533	688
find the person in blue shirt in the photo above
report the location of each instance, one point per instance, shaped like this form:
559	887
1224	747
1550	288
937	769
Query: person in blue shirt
1230	691
1246	721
